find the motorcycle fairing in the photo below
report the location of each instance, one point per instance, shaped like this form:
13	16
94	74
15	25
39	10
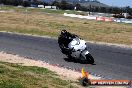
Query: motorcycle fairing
77	44
84	53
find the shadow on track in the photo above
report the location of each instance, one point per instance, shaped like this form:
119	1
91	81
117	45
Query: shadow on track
77	61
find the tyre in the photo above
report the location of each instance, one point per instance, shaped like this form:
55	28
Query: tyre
89	58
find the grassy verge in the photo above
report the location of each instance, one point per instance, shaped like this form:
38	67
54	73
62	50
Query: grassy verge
34	22
17	76
22	9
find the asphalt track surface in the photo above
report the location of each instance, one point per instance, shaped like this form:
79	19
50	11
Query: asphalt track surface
111	62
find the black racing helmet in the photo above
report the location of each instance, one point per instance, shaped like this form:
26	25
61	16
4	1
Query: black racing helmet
63	32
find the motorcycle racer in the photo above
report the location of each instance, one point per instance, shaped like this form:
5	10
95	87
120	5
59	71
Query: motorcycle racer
64	39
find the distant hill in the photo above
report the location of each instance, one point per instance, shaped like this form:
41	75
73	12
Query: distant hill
85	3
92	3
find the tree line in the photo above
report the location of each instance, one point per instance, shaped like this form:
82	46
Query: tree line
64	5
25	3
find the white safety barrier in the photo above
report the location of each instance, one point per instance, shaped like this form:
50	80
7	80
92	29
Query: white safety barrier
105	19
80	16
123	20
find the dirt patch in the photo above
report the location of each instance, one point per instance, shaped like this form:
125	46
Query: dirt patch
63	72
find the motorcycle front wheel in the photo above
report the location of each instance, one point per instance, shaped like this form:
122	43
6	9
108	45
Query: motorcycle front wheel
89	58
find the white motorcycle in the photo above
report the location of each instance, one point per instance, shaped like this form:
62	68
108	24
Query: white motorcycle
78	50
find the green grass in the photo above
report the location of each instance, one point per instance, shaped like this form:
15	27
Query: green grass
17	76
39	22
23	9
